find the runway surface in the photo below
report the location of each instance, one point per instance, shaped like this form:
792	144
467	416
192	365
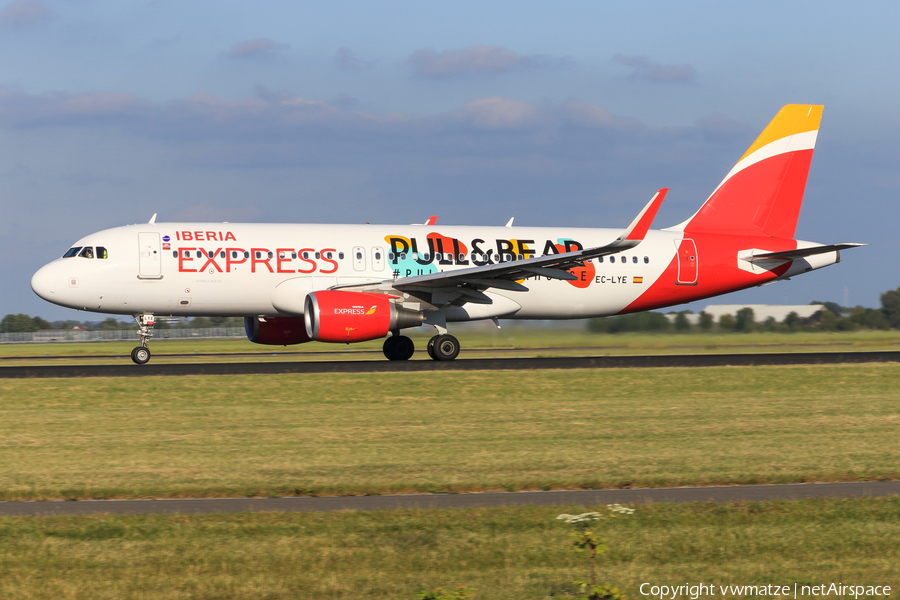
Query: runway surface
474	364
742	493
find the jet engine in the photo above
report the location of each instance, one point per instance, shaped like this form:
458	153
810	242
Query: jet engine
338	316
276	331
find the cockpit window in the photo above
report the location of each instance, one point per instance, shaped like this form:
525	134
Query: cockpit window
102	253
86	252
72	252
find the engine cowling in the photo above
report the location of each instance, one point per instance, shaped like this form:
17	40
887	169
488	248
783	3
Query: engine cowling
276	331
338	316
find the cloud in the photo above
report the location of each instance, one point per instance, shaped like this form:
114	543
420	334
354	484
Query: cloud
486	137
488	60
24	13
644	69
592	115
256	49
346	60
496	112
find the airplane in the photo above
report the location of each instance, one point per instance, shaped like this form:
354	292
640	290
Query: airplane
295	283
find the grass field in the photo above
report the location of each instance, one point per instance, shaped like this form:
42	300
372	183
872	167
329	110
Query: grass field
456	432
504	553
477	341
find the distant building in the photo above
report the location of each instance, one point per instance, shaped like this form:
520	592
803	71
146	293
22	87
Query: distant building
807	312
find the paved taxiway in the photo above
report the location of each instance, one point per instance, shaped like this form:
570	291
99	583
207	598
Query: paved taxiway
740	493
474	364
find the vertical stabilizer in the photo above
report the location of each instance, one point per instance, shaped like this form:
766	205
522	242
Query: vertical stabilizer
763	192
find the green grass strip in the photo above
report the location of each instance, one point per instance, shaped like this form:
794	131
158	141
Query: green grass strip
446	432
504	553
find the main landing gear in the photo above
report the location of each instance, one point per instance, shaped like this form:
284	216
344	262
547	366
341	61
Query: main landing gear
141	354
443	347
398	347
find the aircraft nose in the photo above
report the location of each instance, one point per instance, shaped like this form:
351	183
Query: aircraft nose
46	283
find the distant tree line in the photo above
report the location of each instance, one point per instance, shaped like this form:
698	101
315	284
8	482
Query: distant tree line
832	318
24	324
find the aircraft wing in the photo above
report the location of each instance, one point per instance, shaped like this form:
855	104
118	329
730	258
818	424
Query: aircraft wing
504	275
802	252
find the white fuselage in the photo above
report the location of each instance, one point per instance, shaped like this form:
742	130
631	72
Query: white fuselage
145	274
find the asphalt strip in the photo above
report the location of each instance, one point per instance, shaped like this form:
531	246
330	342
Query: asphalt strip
723	494
473	364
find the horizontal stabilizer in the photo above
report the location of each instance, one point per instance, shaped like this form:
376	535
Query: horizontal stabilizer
802	252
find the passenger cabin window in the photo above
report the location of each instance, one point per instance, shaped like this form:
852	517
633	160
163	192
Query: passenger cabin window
634	259
86	252
270	255
222	254
246	255
340	255
199	254
306	255
174	253
102	253
359	256
328	255
72	252
646	260
318	255
623	259
599	259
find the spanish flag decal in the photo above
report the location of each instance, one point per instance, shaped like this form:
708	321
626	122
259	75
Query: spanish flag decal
372	310
639	280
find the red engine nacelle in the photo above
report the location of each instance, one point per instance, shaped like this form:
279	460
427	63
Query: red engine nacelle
336	316
276	331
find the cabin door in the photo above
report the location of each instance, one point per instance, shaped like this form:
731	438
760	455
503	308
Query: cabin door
149	263
687	262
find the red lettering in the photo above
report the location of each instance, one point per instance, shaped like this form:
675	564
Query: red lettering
229	236
177	236
312	263
184	255
324	257
231	255
264	253
211	236
198	236
186	236
279	260
211	260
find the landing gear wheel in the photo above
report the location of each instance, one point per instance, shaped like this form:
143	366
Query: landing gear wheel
404	348
398	347
443	347
141	355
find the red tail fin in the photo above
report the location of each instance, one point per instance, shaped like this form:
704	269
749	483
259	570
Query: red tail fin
763	192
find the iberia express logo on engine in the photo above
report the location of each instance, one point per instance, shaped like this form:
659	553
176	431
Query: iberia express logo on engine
355	310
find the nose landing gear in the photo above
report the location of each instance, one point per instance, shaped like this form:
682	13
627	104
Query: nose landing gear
141	354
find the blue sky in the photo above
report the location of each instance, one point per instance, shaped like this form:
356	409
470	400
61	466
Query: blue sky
555	113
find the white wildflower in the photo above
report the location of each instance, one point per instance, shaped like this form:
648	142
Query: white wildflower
582	518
